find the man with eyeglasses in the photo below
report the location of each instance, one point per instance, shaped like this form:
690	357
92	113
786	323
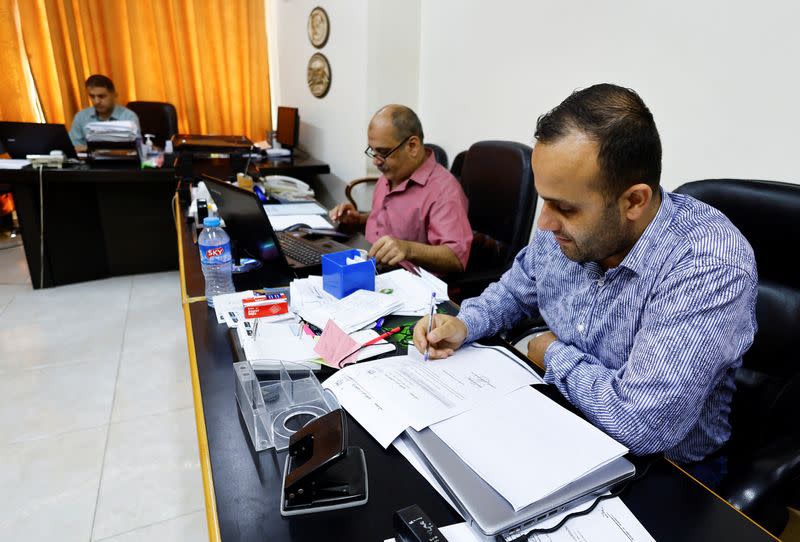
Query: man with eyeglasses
419	211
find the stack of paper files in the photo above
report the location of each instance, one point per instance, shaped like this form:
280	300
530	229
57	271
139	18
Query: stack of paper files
547	445
414	291
283	209
273	343
112	131
388	396
353	312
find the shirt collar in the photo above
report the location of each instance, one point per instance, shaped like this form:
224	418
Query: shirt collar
636	259
115	114
421	174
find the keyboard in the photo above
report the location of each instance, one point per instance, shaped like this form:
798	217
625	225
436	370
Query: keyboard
300	250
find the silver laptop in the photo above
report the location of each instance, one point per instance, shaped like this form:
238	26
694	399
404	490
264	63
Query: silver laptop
485	509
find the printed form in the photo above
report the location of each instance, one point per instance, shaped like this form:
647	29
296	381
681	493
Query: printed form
389	395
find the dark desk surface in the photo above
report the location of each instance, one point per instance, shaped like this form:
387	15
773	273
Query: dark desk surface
242	487
301	165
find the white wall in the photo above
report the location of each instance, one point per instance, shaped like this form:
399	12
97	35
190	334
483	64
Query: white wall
373	50
721	78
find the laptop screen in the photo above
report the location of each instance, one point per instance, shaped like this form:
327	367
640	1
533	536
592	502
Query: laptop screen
249	228
23	138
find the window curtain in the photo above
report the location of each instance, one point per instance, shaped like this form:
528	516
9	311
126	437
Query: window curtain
206	57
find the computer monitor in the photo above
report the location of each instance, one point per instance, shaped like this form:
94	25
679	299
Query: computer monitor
288	127
23	138
249	228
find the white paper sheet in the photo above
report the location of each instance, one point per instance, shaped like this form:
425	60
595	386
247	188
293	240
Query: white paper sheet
282	209
280	223
351	313
277	342
548	445
417	394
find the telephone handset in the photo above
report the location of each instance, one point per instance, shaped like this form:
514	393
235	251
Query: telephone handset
288	188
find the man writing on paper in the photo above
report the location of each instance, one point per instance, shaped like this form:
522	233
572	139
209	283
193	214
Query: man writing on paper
104	107
649	296
419	211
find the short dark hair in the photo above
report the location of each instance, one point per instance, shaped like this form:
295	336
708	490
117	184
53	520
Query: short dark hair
98	80
619	121
406	123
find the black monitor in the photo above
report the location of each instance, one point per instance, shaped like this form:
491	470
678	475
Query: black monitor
249	228
288	127
23	138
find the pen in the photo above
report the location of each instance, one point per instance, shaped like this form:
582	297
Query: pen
381	336
430	324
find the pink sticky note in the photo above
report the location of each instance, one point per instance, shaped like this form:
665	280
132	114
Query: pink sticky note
334	345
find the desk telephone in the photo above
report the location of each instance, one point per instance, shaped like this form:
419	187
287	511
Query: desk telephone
287	188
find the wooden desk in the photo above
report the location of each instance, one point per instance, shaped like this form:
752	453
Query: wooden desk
242	487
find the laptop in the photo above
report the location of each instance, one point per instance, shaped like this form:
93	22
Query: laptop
23	138
250	229
485	509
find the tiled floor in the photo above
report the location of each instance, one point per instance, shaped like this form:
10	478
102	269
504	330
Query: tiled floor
97	431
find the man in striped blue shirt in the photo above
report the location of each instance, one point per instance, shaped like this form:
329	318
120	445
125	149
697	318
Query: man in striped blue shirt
649	296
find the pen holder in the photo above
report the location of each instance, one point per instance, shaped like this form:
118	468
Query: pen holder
340	279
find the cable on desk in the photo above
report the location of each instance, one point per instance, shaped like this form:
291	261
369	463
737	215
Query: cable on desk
615	493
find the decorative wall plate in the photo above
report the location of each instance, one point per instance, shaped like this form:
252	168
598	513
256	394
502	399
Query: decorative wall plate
318	27
319	75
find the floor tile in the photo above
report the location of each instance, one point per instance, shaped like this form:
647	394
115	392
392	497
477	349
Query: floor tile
8	291
48	487
154	377
148	320
151	473
70	302
56	400
14	266
157	286
189	528
28	344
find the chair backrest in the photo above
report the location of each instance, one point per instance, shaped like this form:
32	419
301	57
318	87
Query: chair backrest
768	383
458	164
438	153
157	118
498	182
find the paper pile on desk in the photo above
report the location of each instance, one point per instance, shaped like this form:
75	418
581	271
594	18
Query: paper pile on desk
400	392
539	433
112	131
275	343
413	291
356	311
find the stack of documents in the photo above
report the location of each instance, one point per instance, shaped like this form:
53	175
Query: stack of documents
403	391
270	344
413	291
356	311
548	445
112	131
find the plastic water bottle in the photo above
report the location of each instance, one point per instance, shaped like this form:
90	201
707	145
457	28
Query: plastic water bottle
215	258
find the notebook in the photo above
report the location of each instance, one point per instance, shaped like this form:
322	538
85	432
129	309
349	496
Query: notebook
249	226
23	138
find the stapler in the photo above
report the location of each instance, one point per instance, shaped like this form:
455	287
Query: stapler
321	472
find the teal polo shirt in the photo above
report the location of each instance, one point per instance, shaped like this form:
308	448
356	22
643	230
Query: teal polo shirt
83	117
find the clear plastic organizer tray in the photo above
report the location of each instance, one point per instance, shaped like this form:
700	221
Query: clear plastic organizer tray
277	403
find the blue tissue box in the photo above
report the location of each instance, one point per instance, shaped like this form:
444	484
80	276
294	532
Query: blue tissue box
340	279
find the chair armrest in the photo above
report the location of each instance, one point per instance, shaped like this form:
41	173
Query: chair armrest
352	184
761	483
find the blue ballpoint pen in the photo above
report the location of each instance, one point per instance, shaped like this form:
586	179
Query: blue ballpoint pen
430	323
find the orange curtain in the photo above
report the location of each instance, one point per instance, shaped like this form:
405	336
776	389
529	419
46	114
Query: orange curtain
206	57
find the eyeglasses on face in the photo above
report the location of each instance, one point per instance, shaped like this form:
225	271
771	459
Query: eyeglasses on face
373	153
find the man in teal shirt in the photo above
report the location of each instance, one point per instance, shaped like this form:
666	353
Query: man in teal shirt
104	107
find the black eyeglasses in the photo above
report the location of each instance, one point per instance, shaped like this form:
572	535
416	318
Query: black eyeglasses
372	153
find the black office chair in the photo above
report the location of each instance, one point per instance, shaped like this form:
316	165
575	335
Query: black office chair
764	450
359	191
157	118
498	182
458	164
